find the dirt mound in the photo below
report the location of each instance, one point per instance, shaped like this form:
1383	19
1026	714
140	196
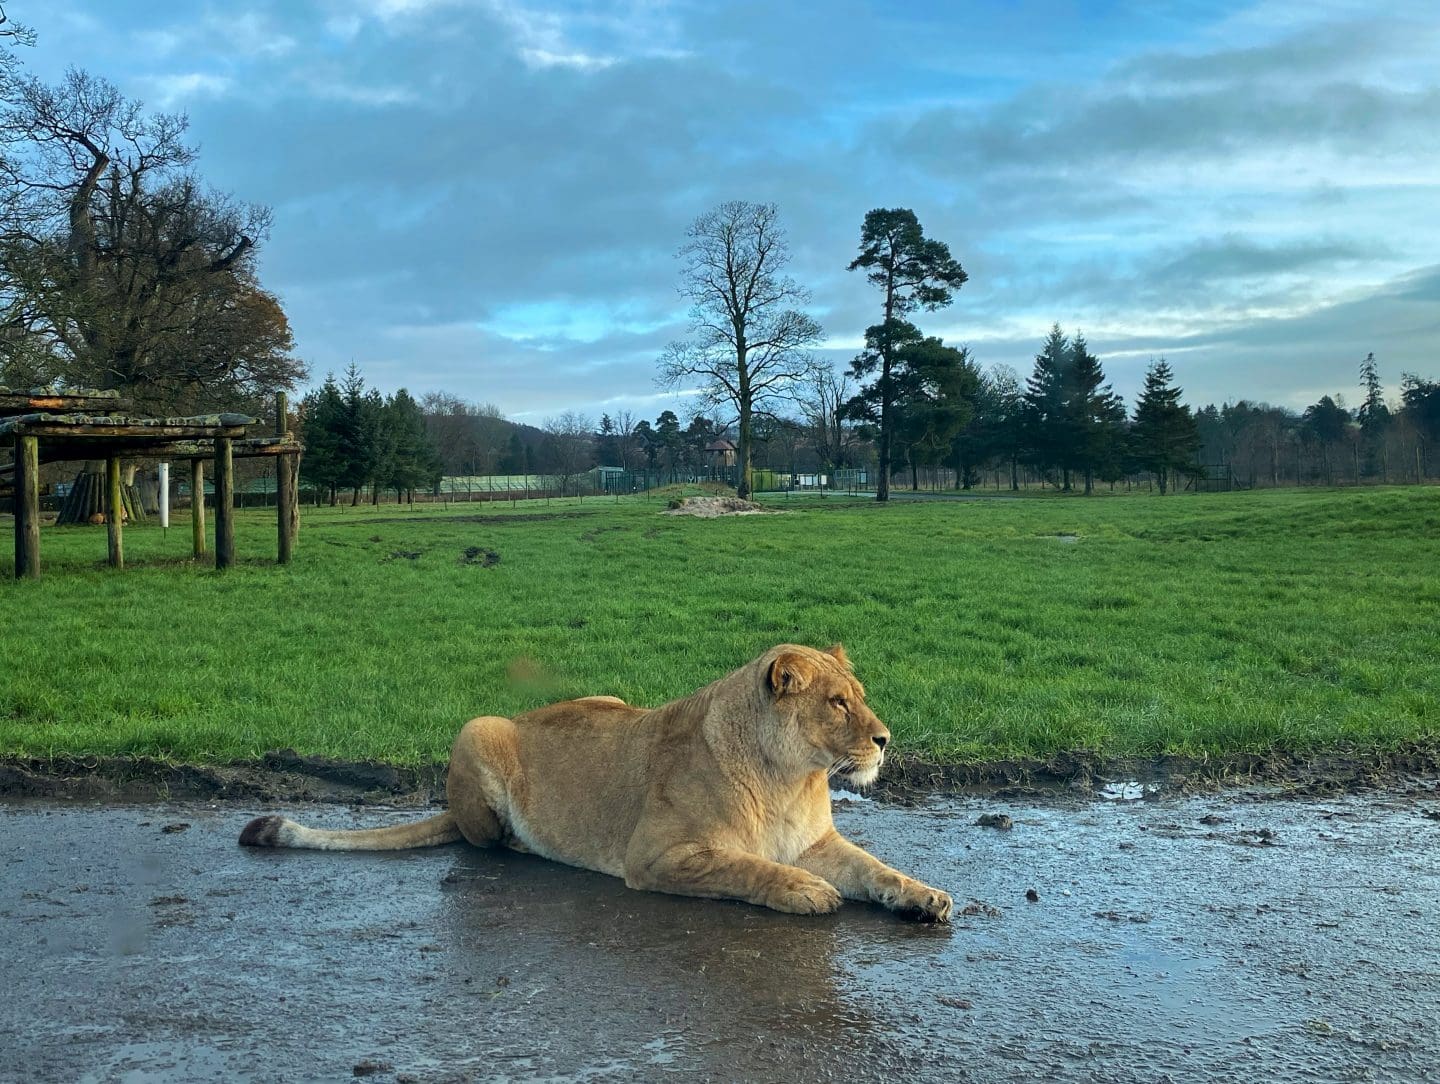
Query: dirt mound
711	507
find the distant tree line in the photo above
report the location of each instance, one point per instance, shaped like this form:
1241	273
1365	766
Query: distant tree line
911	407
1328	443
919	405
357	440
952	424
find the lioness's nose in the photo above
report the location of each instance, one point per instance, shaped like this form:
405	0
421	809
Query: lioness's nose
881	739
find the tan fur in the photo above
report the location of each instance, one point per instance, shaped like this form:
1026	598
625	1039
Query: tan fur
724	793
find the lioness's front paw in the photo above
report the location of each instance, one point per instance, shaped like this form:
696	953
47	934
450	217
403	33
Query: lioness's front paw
920	902
805	896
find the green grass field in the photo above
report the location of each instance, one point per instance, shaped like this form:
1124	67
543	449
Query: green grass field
1191	624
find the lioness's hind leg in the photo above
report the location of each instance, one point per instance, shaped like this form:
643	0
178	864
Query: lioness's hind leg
483	764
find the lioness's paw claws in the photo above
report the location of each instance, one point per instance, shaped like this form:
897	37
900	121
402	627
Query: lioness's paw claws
812	897
924	904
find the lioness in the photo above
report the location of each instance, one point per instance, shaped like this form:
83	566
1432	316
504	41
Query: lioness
723	793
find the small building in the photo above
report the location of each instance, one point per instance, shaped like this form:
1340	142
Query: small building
720	453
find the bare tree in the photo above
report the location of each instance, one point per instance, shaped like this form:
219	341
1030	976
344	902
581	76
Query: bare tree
11	35
569	443
749	344
468	436
626	445
821	405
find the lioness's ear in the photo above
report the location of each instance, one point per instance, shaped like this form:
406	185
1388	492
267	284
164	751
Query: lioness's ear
790	673
837	652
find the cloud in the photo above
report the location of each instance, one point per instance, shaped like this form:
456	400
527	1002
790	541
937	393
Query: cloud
180	90
487	195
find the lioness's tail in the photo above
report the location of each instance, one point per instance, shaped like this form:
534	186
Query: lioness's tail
275	831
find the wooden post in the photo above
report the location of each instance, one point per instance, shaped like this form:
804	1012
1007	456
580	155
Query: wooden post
114	510
27	508
197	506
224	504
287	513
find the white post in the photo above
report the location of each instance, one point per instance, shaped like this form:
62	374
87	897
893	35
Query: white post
165	495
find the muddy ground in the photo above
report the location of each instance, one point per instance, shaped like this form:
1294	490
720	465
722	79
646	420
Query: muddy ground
287	776
1221	937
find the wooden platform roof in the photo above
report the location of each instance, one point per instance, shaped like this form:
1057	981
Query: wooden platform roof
241	448
84	436
70	400
39	435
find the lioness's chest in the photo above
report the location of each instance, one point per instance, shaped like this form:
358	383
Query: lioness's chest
786	834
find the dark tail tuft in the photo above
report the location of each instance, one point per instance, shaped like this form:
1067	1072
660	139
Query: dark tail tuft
262	832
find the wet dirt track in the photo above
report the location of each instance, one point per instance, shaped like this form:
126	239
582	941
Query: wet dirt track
1279	941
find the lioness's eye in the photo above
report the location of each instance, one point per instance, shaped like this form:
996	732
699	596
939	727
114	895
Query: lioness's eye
840	702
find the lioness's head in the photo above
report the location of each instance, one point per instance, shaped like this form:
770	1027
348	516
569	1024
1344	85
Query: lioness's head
825	722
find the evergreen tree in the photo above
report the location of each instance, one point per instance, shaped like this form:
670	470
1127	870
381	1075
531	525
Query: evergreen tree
671	441
1165	437
649	442
1005	415
322	418
914	272
1325	424
698	434
875	402
1421	415
1043	403
383	440
415	461
1094	416
1422	404
937	389
1374	417
355	434
513	461
607	442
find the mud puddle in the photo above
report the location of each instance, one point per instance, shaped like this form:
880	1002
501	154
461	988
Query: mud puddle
1161	942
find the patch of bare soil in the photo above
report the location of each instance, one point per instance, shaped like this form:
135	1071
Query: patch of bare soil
280	776
713	507
1409	768
287	776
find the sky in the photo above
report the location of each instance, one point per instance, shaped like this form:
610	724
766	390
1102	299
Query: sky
486	197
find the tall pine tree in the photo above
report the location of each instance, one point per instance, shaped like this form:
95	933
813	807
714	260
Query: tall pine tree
322	416
1043	404
938	385
415	462
1094	415
914	272
356	434
1374	418
1165	437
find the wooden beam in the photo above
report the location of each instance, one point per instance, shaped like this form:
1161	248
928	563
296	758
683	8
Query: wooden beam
114	511
287	510
13	402
224	505
139	435
197	505
27	508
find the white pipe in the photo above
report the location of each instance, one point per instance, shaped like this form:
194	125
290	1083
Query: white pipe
165	495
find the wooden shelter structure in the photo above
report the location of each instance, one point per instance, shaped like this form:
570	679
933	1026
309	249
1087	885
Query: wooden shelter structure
48	426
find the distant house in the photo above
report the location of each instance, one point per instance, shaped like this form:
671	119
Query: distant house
720	453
